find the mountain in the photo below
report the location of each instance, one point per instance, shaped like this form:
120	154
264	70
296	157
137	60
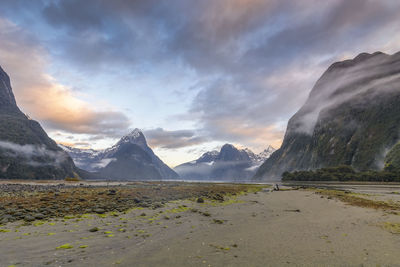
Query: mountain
351	118
129	159
230	163
26	152
86	159
392	159
262	156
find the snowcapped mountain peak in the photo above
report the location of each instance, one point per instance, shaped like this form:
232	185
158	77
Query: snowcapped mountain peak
270	149
134	137
208	156
135	133
260	157
266	153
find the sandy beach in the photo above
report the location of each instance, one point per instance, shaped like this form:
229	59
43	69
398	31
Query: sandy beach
293	228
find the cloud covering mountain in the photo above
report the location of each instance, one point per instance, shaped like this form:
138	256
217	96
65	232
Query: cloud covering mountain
350	118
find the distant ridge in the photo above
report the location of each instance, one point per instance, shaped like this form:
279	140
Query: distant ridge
129	159
230	163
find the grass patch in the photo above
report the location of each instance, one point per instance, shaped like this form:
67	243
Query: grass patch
38	223
357	199
65	246
394	228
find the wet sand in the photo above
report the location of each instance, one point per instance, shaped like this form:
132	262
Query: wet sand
293	228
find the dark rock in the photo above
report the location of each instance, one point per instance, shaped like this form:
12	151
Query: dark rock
38	216
112	192
217	221
94	229
99	211
7	218
157	205
200	200
29	218
218	197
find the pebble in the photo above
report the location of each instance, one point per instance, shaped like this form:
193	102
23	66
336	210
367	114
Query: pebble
29	218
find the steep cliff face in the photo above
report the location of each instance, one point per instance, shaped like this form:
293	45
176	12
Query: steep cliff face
351	117
26	152
392	159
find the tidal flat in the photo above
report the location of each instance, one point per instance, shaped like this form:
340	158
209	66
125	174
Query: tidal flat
197	224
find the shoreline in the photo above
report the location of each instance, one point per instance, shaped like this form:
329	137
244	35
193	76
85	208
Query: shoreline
255	228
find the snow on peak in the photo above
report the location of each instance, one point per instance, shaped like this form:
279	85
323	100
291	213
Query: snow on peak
267	152
134	137
260	157
135	133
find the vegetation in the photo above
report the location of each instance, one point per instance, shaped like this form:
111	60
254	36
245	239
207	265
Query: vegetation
392	159
359	200
344	173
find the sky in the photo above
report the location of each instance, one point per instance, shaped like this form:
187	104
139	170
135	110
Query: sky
191	74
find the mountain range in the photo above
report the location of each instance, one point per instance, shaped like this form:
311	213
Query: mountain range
26	152
129	159
230	163
351	117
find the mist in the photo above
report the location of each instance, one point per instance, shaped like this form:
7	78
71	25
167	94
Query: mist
102	163
212	170
32	152
343	82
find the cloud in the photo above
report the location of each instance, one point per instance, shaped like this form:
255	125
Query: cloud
32	152
368	76
42	97
229	113
255	60
102	163
160	138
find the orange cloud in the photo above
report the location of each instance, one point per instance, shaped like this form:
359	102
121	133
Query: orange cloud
253	136
41	96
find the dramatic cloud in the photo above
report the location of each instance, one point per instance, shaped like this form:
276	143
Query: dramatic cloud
252	62
42	97
160	138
